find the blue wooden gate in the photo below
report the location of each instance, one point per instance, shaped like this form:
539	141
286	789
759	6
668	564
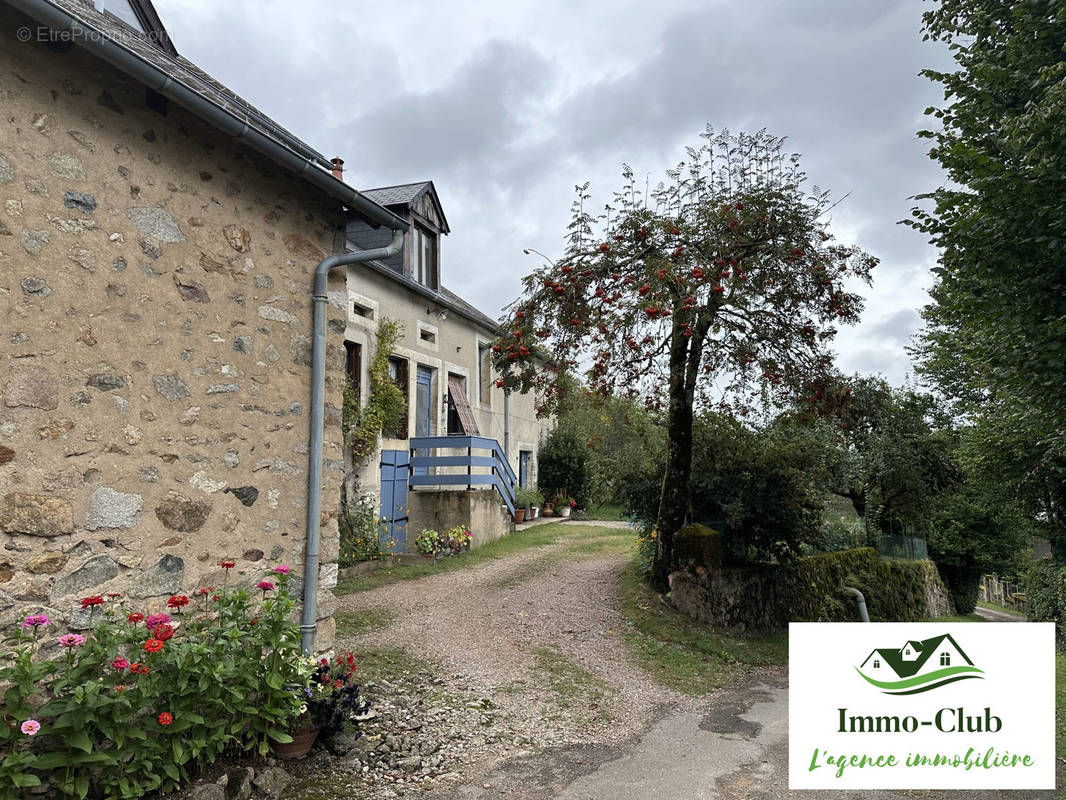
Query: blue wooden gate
395	466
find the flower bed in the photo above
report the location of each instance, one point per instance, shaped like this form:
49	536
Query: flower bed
438	545
143	701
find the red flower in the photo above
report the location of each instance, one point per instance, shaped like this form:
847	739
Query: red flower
163	632
153	646
495	348
114	595
205	590
266	586
499	384
135	618
95	600
523	350
177	601
227	564
119	663
166	718
120	688
137	668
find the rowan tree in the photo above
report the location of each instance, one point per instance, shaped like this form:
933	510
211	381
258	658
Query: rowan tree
723	285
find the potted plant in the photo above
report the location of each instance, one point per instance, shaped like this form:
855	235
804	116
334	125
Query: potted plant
566	505
429	543
536	499
458	539
524	498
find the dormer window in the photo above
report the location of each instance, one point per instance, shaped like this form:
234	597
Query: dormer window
425	267
121	9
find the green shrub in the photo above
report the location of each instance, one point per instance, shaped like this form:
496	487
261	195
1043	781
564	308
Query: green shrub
1045	587
360	531
564	467
139	703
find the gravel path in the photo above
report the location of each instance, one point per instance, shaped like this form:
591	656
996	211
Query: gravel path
493	623
528	662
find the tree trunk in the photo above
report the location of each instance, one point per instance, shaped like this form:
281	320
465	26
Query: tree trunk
674	502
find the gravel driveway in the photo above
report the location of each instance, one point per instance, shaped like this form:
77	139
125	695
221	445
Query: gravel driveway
524	688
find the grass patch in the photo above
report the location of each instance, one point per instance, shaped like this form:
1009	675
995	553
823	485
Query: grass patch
958	618
354	623
683	654
1002	609
581	540
608	511
390	663
573	687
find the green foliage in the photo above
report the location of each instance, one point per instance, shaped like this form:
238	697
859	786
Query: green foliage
360	531
564	467
894	590
526	496
886	456
1045	588
220	675
995	339
386	408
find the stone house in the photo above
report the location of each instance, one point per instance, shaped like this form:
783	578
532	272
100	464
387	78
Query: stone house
158	237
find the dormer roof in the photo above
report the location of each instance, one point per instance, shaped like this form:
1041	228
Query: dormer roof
406	195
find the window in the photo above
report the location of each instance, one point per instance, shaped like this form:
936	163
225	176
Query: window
427	336
121	9
945	659
525	458
877	663
425	267
398	374
362	311
484	373
353	367
460	418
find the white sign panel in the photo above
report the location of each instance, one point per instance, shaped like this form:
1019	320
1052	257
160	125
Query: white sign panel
921	706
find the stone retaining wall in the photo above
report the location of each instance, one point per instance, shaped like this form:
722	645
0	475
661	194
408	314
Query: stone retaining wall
155	324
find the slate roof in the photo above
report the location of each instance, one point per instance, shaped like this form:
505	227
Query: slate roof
470	310
183	71
926	647
405	194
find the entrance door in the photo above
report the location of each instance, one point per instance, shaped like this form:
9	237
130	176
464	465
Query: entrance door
523	467
394	475
423	410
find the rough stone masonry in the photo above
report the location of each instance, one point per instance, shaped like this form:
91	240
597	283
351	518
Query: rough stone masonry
154	345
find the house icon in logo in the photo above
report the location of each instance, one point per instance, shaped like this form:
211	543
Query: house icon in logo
918	666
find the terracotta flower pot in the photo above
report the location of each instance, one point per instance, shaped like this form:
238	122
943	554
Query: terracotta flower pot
301	743
519	515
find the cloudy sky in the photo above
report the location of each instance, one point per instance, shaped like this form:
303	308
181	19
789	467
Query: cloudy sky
506	106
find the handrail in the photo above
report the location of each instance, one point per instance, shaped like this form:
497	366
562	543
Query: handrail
501	477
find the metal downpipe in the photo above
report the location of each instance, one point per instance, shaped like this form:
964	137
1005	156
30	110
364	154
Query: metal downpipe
860	602
309	620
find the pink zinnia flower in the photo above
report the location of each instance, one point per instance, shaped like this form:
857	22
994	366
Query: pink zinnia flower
30	727
35	620
120	663
156	620
71	640
266	586
282	569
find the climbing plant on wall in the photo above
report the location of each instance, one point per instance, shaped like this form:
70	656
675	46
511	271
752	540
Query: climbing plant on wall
385	408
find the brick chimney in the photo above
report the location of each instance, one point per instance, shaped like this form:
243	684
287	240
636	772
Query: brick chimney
338	168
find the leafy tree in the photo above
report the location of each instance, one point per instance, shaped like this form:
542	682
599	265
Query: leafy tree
887	458
725	280
621	441
995	340
563	465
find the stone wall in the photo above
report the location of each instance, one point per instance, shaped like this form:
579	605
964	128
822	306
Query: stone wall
155	282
